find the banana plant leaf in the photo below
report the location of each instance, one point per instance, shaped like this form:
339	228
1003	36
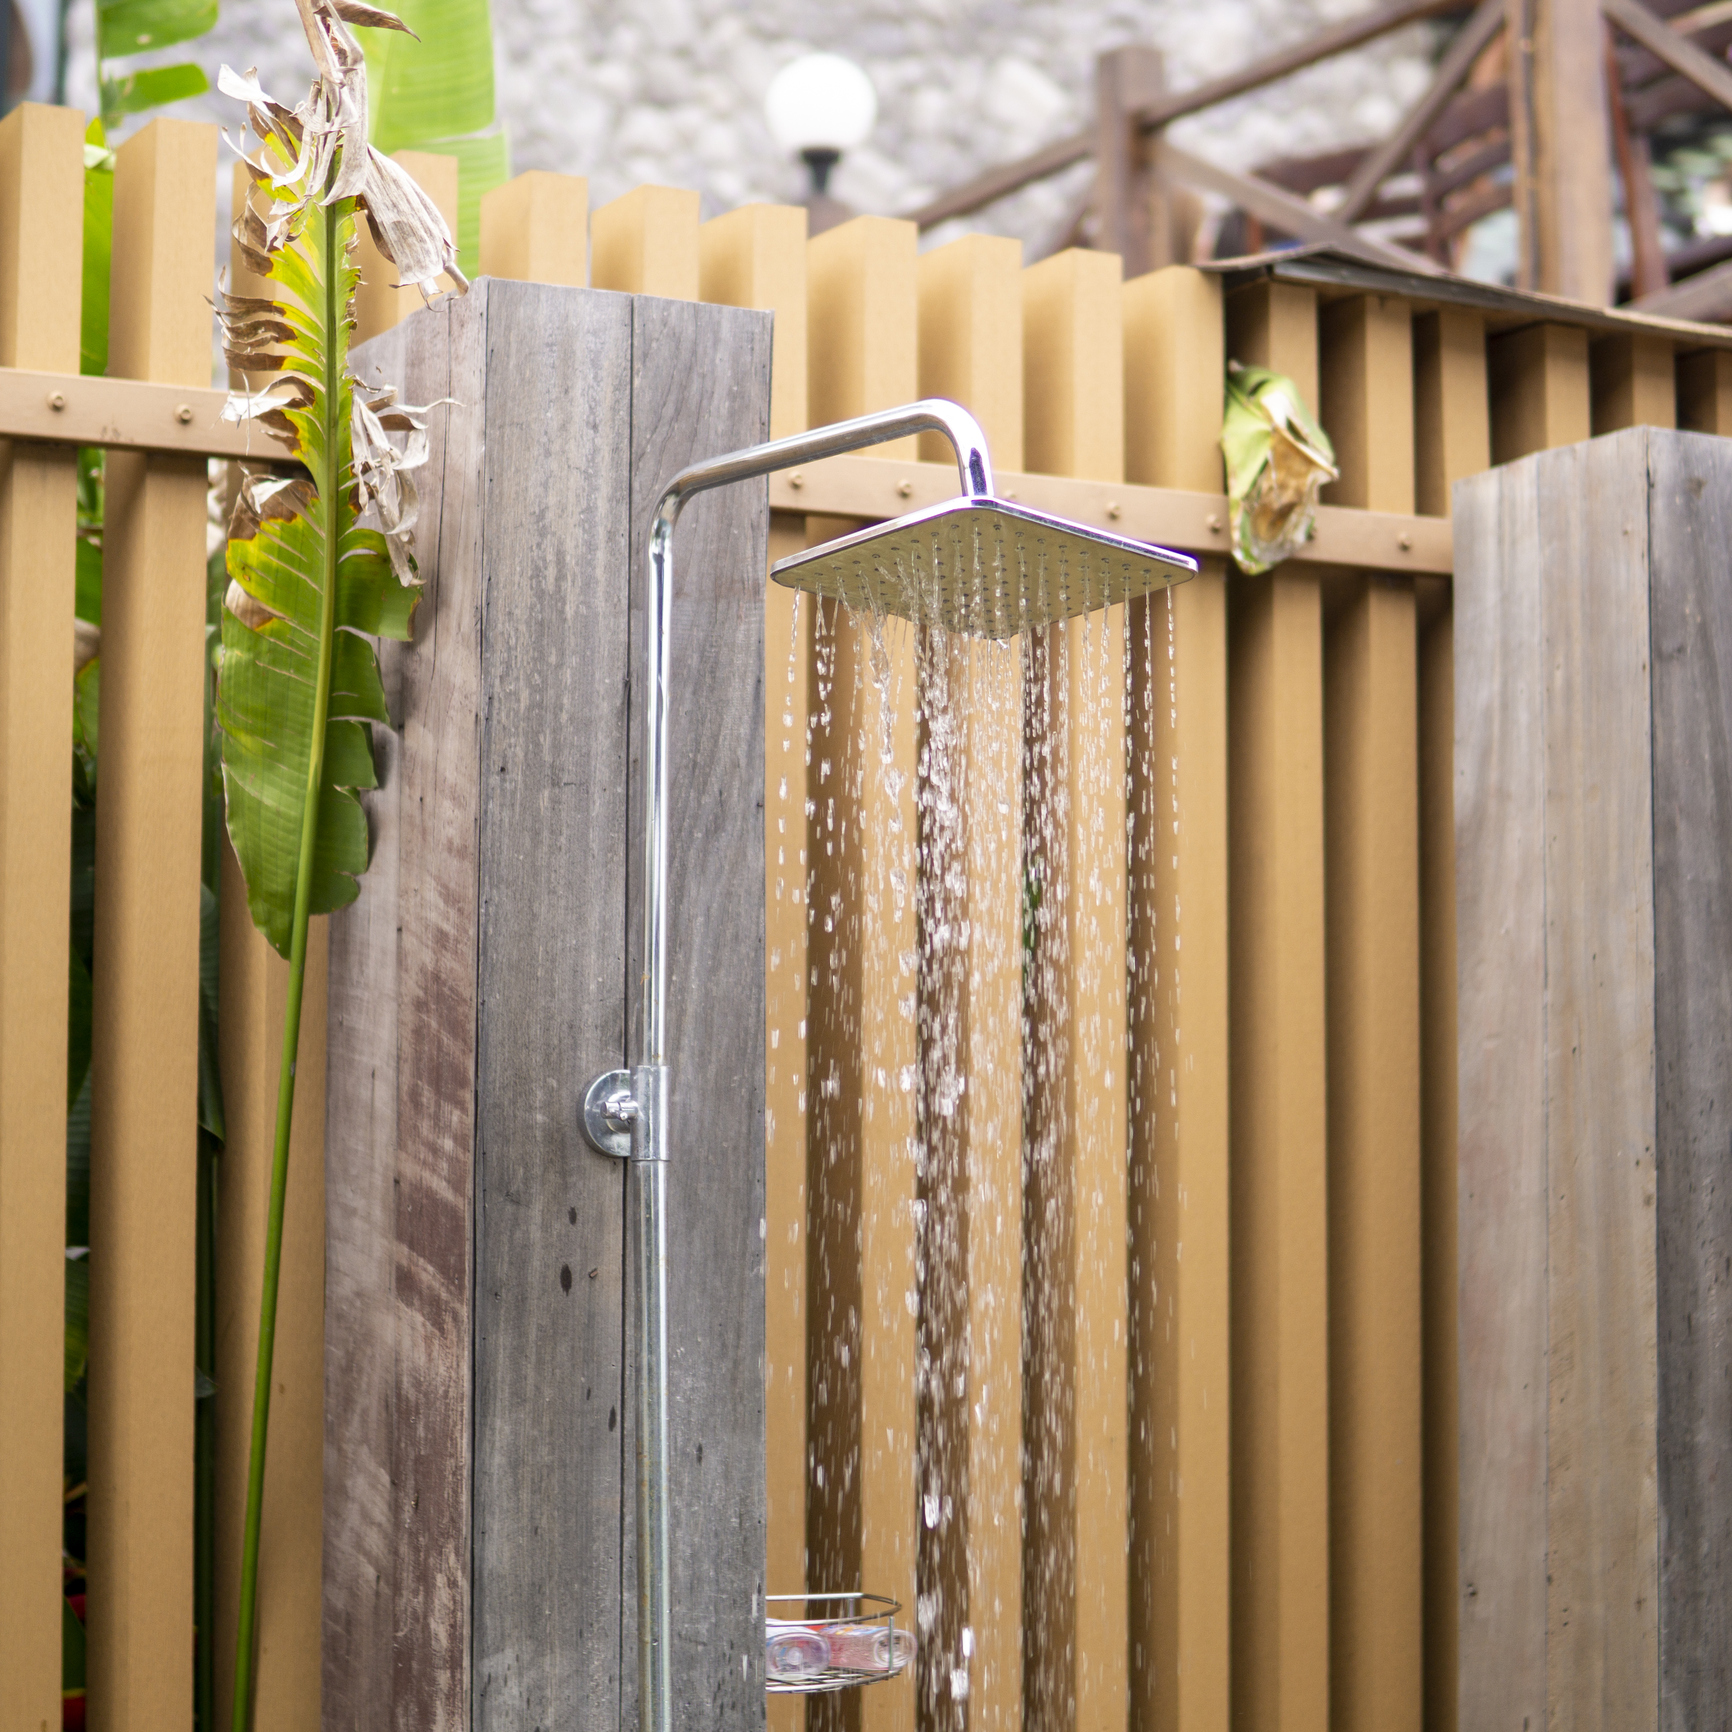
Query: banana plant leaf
98	246
437	94
137	26
436	87
292	543
151	88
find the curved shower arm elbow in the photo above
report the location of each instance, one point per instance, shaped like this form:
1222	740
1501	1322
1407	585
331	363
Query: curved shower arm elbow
930	415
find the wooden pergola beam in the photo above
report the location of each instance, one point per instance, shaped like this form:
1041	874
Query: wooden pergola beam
1010	177
1292	216
1392	154
1709	75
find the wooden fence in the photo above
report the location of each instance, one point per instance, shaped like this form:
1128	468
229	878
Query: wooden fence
1202	1460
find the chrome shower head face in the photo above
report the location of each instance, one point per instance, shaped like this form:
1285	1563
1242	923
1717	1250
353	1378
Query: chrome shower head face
984	567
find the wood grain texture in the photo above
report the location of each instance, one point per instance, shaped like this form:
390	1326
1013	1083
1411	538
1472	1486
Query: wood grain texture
1452	439
1076	1280
1633	383
1704	382
399	1310
1451	409
716	1229
144	1035
482	1573
551	1481
1540	390
646	243
1372	926
1279	1339
535	229
1180	1440
1602	1565
1500	922
359	1526
41	205
756	257
1691	626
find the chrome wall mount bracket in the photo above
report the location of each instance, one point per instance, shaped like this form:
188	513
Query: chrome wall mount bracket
609	1109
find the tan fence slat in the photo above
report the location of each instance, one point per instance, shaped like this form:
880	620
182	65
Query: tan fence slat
1452	438
381	301
145	1038
860	1316
535	229
756	257
41	224
1075	1616
1179	1383
1372	842
1634	384
1704	382
253	987
1279	1128
1540	392
646	243
971	988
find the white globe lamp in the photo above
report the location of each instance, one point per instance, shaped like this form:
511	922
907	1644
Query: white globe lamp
818	107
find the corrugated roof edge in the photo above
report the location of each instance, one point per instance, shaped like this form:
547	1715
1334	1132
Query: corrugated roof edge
1326	268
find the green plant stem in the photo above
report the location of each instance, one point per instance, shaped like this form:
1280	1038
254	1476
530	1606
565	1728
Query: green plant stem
326	480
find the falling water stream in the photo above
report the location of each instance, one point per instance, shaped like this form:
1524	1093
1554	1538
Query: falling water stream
969	799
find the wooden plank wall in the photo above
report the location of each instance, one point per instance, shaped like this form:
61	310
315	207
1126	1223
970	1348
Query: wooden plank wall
1593	1235
1691	632
510	998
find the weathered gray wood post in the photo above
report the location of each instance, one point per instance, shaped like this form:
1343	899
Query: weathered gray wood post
1593	790
479	1461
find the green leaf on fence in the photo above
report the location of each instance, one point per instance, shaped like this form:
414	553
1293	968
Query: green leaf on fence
135	26
98	244
151	88
436	94
434	88
280	560
77	1319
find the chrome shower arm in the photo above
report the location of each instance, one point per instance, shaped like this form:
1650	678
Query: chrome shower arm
974	470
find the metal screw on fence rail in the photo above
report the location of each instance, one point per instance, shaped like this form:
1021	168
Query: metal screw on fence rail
978	565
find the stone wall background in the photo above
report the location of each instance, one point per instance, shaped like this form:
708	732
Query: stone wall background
626	91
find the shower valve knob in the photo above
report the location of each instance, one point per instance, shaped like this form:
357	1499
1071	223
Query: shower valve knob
609	1110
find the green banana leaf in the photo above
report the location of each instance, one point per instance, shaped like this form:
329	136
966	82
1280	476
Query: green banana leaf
77	1319
287	541
436	94
435	87
137	26
151	88
98	247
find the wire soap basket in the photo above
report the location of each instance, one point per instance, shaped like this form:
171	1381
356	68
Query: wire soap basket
831	1642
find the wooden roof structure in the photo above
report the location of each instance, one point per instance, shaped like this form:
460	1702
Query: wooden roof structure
1538	130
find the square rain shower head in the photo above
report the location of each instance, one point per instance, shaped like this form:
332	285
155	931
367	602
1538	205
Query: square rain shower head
985	567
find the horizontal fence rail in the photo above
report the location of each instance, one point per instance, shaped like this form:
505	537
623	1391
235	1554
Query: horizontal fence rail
1186	1262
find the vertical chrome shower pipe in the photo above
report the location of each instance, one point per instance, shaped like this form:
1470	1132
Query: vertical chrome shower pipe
644	1108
